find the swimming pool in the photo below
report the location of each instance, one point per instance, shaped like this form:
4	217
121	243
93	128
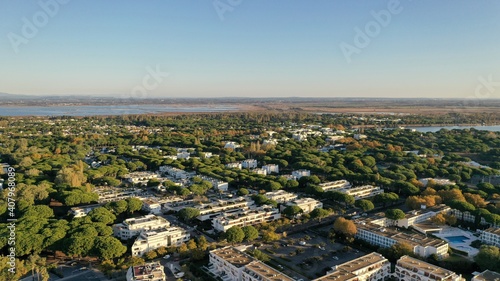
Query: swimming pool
457	239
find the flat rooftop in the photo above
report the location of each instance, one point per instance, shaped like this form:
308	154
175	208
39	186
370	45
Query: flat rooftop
493	230
233	256
362	262
411	263
145	271
488	275
266	273
337	276
343	272
412	238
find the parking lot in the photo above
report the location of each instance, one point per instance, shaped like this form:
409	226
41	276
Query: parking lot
309	254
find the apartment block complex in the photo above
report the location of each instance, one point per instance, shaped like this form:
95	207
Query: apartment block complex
486	275
335	185
147	272
216	208
231	264
154	239
306	204
418	216
387	236
410	269
280	196
245	217
373	267
491	236
134	226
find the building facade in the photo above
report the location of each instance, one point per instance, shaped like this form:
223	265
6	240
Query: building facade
249	164
271	168
134	226
373	267
154	239
301	173
490	236
153	271
385	237
411	269
280	196
486	275
245	217
151	206
231	264
306	204
335	185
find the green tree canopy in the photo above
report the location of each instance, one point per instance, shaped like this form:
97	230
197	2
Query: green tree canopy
251	233
189	213
235	234
394	214
365	205
102	214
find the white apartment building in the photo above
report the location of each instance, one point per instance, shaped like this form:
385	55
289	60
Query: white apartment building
147	272
387	236
111	194
486	275
216	208
280	196
410	269
361	192
234	165
335	185
249	163
231	145
231	264
183	155
259	171
425	181
220	185
301	173
140	177
421	215
151	206
134	226
299	136
271	168
334	138
467	216
176	173
270	142
373	266
207	154
245	217
306	204
82	211
154	239
491	236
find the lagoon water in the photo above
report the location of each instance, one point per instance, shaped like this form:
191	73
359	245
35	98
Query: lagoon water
91	110
495	128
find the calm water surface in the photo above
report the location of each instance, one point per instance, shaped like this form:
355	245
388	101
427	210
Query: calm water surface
435	129
89	110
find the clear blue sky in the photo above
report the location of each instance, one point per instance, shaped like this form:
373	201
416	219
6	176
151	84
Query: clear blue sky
260	48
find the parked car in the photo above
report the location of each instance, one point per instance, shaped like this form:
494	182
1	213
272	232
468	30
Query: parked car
166	257
302	243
